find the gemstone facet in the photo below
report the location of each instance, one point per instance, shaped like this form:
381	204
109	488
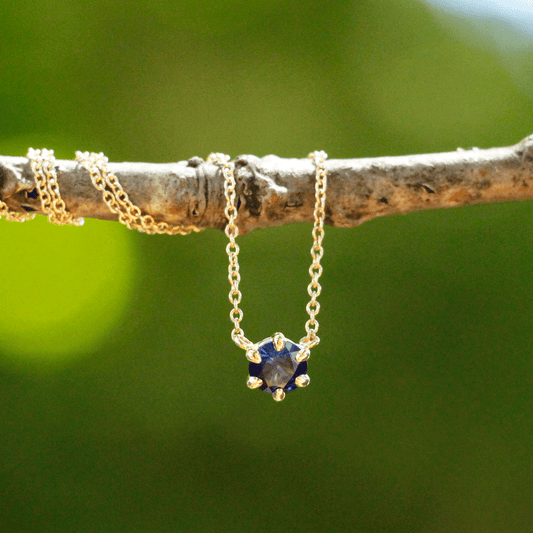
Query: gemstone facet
278	369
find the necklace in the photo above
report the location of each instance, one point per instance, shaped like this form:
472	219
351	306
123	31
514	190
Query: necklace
277	364
119	202
13	216
43	165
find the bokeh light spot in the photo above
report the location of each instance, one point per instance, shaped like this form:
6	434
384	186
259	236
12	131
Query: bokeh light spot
62	289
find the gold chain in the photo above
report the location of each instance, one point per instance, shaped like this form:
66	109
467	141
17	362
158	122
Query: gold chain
232	249
13	216
118	201
317	251
43	166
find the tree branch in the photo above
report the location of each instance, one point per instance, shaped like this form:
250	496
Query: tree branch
272	191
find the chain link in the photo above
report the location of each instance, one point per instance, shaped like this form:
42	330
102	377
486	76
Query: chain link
13	216
118	201
232	231
317	251
232	249
43	165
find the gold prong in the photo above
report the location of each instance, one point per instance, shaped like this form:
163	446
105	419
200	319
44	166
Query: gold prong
278	395
253	356
279	341
254	382
303	355
302	380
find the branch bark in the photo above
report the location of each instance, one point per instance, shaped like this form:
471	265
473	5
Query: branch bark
272	191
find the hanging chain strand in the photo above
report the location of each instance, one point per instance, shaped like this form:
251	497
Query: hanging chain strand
43	165
232	249
13	216
119	202
317	251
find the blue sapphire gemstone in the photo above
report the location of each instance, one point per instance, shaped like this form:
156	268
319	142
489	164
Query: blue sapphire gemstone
278	370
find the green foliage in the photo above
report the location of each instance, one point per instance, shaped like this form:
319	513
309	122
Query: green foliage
418	416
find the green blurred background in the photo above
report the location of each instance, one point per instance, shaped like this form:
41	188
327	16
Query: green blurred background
123	405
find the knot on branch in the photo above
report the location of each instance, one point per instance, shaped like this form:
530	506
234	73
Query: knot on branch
255	186
10	181
525	149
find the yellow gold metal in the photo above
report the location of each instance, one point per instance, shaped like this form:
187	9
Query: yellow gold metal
253	356
13	216
232	249
118	201
303	355
278	395
308	343
315	270
253	382
317	251
279	341
302	380
241	341
43	165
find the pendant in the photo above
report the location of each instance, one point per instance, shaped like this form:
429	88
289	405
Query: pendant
277	366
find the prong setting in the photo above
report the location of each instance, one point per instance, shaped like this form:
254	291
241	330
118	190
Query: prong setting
254	382
277	364
302	380
303	355
277	370
253	356
279	341
278	395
